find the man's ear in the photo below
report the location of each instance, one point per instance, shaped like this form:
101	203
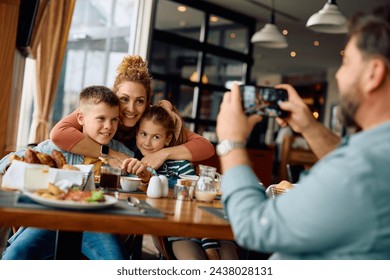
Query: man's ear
168	140
80	118
376	74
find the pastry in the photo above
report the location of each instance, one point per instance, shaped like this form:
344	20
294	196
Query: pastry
46	159
70	167
30	156
58	158
284	185
15	157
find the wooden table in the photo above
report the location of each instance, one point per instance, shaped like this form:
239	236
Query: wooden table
182	218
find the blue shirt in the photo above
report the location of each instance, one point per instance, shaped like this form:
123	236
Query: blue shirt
339	210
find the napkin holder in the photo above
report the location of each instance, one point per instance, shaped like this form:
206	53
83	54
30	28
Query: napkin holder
14	178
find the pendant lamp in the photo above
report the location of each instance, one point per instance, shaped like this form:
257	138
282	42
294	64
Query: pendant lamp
328	20
269	36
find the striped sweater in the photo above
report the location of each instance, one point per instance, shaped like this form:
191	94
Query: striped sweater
173	168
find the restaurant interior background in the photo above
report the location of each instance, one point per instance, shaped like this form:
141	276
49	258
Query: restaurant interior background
194	49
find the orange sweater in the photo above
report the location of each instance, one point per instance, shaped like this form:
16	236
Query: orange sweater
67	133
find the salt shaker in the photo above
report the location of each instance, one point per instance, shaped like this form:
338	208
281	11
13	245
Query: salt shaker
154	188
164	185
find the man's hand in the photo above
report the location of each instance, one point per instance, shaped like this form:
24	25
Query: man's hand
300	116
232	124
320	139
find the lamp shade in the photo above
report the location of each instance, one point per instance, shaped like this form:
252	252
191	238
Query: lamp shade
328	20
269	37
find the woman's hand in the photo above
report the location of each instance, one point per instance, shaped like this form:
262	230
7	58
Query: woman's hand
156	159
116	158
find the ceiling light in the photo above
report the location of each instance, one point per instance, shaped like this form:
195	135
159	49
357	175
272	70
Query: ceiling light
328	20
269	36
214	19
182	8
195	76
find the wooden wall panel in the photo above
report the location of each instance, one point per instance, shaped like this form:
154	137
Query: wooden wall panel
262	162
9	12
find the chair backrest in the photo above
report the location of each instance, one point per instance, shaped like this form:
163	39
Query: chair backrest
294	156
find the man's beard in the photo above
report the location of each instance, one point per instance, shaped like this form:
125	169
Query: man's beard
349	106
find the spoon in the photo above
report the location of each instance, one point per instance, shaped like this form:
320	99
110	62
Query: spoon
135	202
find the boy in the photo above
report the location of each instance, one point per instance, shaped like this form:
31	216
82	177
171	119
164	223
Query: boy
99	116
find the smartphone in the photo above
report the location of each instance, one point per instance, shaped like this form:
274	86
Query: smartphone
263	100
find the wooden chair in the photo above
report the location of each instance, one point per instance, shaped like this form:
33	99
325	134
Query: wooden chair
293	156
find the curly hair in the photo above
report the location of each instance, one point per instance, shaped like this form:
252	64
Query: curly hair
134	69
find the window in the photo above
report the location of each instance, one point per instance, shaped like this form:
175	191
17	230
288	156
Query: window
100	35
195	52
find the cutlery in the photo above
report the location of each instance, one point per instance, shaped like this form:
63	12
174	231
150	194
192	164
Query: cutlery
135	202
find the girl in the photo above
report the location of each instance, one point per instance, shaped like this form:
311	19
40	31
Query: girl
133	87
160	127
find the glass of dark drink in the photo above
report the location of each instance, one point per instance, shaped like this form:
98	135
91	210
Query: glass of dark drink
109	177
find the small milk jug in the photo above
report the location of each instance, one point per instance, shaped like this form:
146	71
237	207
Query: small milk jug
205	187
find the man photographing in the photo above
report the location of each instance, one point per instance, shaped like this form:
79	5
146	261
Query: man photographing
341	209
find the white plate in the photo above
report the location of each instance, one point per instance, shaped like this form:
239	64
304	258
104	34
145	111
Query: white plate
68	204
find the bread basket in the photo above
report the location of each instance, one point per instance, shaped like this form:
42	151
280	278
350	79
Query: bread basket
275	190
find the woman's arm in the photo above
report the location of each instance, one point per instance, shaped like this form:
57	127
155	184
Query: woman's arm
196	148
199	147
67	134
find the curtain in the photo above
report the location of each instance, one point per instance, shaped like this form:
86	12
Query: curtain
51	47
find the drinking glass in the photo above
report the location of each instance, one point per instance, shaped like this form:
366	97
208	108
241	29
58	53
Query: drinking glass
109	177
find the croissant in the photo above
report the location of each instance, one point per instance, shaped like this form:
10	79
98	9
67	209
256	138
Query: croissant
46	159
285	185
56	160
30	156
15	157
70	167
59	158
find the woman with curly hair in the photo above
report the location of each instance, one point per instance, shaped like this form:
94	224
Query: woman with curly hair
133	87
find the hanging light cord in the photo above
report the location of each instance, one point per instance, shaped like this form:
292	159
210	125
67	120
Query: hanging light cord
272	12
